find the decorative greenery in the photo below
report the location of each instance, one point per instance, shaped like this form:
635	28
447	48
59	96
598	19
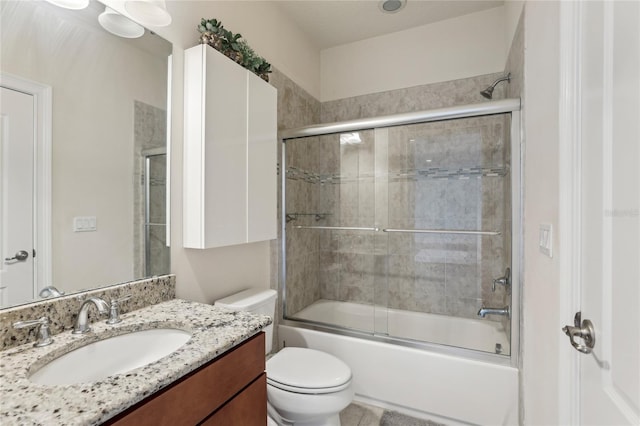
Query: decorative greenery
233	46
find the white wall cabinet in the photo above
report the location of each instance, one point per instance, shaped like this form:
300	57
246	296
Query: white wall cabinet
230	149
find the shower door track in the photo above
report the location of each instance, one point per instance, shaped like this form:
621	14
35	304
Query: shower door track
493	107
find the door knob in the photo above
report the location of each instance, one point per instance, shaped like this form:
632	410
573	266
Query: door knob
584	330
19	256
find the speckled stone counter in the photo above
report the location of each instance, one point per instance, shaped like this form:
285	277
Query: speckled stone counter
62	311
215	330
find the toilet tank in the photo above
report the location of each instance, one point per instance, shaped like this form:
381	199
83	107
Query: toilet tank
257	301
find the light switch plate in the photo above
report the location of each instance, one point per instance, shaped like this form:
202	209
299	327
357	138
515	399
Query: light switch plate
546	239
84	224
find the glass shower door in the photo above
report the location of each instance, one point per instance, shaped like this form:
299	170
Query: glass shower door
401	232
332	250
448	229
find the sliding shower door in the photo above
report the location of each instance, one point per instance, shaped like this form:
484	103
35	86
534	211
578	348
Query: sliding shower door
403	232
332	246
448	231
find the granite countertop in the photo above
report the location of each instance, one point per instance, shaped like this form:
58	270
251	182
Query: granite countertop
22	402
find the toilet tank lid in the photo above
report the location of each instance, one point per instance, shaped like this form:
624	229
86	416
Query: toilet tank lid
247	300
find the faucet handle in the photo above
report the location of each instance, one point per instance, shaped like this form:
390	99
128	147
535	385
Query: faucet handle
114	313
504	281
50	291
43	332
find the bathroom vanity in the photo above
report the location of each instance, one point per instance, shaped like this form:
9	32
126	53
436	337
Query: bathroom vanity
218	374
231	389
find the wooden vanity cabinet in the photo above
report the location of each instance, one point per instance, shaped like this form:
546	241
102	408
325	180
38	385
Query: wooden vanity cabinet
229	390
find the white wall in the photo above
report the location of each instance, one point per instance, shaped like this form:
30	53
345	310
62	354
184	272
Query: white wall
206	275
541	288
512	11
269	32
456	48
93	132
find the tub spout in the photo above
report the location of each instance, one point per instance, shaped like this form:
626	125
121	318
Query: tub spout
483	312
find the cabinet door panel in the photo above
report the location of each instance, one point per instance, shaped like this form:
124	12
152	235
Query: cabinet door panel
262	160
226	151
247	409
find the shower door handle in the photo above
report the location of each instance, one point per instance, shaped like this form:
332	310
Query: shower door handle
581	329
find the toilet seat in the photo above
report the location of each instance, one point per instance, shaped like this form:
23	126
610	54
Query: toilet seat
309	391
307	371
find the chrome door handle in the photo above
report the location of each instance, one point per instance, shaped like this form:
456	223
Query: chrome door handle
19	256
582	329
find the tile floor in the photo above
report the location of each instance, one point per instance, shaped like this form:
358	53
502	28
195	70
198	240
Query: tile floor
358	414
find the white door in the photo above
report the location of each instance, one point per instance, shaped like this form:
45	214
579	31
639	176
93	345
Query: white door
17	201
609	182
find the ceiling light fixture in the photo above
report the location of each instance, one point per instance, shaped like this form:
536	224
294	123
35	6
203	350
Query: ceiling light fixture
150	13
392	6
119	25
70	4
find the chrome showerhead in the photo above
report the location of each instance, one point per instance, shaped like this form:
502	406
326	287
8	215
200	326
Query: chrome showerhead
488	92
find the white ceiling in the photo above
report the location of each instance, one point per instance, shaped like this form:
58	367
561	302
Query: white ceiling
331	23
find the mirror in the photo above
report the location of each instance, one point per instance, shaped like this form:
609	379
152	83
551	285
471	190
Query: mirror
107	177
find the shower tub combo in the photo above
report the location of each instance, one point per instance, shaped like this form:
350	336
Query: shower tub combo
401	256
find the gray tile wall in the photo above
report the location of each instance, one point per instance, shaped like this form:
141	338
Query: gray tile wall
296	108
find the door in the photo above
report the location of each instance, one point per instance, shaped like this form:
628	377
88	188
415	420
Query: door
17	203
609	181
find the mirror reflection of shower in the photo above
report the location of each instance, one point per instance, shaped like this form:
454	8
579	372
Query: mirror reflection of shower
151	254
155	224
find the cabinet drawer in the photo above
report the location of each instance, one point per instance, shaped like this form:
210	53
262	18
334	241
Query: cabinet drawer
247	409
193	398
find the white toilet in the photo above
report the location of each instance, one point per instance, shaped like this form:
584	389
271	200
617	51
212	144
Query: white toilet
304	386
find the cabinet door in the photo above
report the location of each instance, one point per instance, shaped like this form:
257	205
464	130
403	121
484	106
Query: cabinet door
226	151
261	160
249	408
230	150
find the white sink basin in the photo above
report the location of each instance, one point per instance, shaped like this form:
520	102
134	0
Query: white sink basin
107	357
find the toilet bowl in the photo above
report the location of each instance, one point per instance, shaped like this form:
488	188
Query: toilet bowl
305	387
308	387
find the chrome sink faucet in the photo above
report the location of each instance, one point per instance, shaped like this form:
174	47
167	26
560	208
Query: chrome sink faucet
483	312
82	322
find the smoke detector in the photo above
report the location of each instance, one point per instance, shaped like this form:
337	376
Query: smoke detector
391	6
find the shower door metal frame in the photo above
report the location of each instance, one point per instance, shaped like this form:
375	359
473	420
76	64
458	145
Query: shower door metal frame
505	106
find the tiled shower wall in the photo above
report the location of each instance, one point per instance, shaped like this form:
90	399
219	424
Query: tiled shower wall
296	108
354	266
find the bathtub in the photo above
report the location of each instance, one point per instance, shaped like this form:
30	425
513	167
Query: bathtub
437	384
476	334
